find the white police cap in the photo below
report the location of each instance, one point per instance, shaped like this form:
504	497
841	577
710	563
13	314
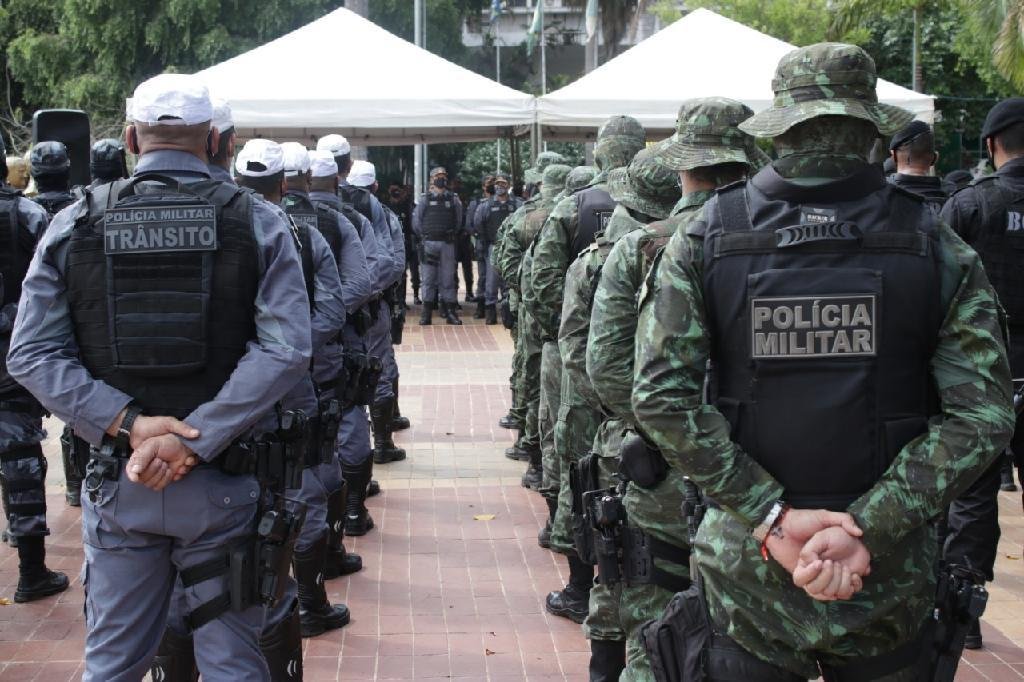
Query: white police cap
260	158
296	158
362	174
322	164
335	144
170	99
222	119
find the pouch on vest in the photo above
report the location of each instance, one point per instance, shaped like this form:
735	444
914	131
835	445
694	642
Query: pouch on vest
677	644
640	463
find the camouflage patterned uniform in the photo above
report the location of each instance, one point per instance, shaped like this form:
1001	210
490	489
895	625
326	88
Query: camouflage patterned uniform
753	600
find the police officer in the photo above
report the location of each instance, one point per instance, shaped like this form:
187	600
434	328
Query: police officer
988	216
165	405
22	466
51	169
912	149
817	555
107	161
437	221
480	247
490	214
400	203
354	449
220	158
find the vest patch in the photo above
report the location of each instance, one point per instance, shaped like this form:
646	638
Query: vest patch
1014	221
307	220
816	215
813	326
159	230
602	219
816	232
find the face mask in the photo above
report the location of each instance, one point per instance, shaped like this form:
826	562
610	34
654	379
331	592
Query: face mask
501	191
395	194
441	183
489	189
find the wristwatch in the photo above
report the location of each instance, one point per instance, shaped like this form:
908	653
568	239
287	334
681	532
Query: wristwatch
761	531
124	431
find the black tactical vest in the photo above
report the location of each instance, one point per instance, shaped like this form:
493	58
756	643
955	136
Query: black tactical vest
16	248
54	202
354	217
497	212
1000	242
162	281
359	198
318	216
306	256
594	206
824	310
438	222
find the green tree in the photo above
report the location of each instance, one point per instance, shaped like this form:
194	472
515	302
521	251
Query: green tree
997	27
801	22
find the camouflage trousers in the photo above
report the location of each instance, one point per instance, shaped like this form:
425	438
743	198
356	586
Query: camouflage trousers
547	415
515	380
574	436
656	511
23	473
756	602
603	620
528	388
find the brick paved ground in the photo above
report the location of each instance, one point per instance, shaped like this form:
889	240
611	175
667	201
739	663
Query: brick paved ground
444	594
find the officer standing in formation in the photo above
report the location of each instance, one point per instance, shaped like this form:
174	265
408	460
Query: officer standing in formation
912	149
490	214
107	161
472	230
813	564
437	221
133	381
50	167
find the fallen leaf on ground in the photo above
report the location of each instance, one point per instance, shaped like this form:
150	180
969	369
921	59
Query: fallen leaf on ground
4	601
484	517
488	652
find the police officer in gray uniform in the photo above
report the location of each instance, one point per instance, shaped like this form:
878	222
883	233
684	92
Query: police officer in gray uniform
354	450
164	404
436	221
220	158
22	466
490	214
50	167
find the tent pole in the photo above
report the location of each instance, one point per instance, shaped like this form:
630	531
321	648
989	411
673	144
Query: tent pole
497	60
543	78
419	151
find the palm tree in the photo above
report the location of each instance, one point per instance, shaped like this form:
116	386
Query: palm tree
1003	20
848	14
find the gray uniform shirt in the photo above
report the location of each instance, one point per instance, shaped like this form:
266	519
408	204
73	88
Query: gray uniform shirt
44	356
378	270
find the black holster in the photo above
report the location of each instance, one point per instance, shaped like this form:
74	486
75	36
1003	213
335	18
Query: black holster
508	318
959	600
640	463
104	465
327	433
583	478
607	519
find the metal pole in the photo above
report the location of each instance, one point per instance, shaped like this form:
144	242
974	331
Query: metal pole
543	72
418	150
497	59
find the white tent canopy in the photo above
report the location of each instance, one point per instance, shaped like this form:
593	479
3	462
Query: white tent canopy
702	55
344	74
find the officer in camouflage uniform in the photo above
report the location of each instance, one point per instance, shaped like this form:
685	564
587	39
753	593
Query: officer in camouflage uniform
708	150
799	465
645	192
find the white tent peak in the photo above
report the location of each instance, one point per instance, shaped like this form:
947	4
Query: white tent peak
364	82
701	55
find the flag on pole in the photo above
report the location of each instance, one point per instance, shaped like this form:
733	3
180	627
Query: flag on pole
591	18
536	27
497	7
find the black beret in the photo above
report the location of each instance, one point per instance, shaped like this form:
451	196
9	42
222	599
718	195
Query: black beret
958	176
1003	114
908	133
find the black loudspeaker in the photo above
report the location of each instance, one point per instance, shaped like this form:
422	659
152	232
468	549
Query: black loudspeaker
71	127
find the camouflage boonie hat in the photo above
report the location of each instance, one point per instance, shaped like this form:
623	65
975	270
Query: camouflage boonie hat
579	177
707	134
553	180
827	79
649	185
535	173
618	140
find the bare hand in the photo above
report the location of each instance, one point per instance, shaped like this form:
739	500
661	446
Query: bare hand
849	558
159	461
149	427
827	580
787	540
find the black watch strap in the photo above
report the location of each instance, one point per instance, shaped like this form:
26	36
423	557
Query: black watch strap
124	431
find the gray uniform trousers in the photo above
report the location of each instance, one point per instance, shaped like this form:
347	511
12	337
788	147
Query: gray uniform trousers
495	284
354	436
23	473
378	343
438	271
136	541
483	266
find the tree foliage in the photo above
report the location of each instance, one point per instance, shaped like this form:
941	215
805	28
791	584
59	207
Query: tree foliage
801	22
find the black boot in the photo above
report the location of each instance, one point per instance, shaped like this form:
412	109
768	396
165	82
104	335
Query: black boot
398	422
973	639
450	315
373	487
491	315
544	536
338	562
480	310
1006	482
534	476
427	314
607	659
510	422
175	660
517	453
416	296
573	601
384	449
72	490
281	646
35	580
357	520
316	614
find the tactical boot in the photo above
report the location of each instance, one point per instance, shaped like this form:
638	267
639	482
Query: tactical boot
607	659
1006	482
373	488
479	314
398	422
416	296
175	660
534	476
384	449
282	647
491	315
35	580
427	314
73	491
450	316
338	561
573	601
357	520
544	536
510	422
973	639
517	453
316	614
6	537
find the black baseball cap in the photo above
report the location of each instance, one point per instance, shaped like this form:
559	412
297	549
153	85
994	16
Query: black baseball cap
1003	115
